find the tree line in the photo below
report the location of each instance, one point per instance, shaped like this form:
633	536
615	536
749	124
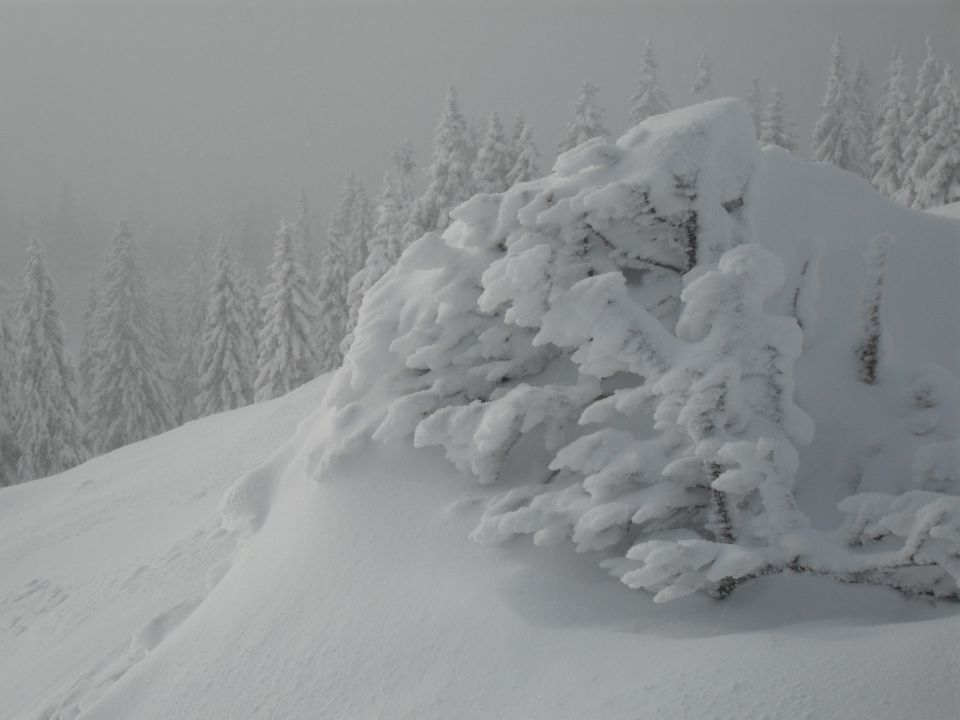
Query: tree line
142	370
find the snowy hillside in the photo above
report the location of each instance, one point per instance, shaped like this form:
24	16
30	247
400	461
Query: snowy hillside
336	578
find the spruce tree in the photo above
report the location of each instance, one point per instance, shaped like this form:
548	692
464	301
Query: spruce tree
304	236
386	245
888	147
9	452
924	101
703	85
48	431
493	161
936	170
450	181
860	86
755	101
287	351
587	119
649	98
226	373
776	128
129	392
526	166
191	294
839	136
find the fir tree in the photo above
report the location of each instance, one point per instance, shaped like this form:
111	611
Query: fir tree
526	166
587	119
287	352
9	452
48	431
304	236
755	101
839	136
226	373
393	207
936	170
924	101
493	161
450	181
190	314
703	85
129	393
649	98
776	128
888	148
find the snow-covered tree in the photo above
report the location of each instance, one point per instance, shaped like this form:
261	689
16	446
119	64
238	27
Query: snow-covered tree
887	156
226	373
703	84
918	125
191	296
450	182
935	174
649	98
526	165
303	233
493	160
860	88
129	393
776	128
839	136
287	352
868	348
49	435
387	243
9	452
755	102
587	121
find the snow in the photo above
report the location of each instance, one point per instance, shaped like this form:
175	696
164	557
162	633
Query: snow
245	566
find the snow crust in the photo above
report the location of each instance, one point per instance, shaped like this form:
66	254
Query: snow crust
336	579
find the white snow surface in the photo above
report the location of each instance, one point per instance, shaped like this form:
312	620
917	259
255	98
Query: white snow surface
335	578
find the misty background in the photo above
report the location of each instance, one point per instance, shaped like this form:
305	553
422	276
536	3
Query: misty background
186	118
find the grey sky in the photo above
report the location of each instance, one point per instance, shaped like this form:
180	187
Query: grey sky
182	111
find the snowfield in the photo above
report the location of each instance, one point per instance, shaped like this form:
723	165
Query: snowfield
276	561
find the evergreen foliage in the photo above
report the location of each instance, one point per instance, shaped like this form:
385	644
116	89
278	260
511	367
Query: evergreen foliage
129	393
287	352
587	121
49	435
649	98
839	136
776	128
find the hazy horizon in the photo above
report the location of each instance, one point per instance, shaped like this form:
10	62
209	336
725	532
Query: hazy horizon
183	113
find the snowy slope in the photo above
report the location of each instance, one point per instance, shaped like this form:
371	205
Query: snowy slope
336	580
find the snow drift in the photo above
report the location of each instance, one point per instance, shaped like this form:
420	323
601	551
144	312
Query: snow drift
566	344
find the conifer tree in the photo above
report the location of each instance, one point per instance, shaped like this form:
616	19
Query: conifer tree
703	85
9	452
226	374
860	86
191	295
649	98
48	431
776	128
493	161
924	101
393	207
286	345
129	393
839	136
518	122
888	148
450	182
587	119
936	171
526	166
755	101
304	236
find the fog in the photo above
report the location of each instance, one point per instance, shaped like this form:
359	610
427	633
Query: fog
179	116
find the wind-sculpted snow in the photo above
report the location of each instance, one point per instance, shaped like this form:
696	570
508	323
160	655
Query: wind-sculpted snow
609	325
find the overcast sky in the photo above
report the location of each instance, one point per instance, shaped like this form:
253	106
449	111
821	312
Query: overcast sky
182	111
